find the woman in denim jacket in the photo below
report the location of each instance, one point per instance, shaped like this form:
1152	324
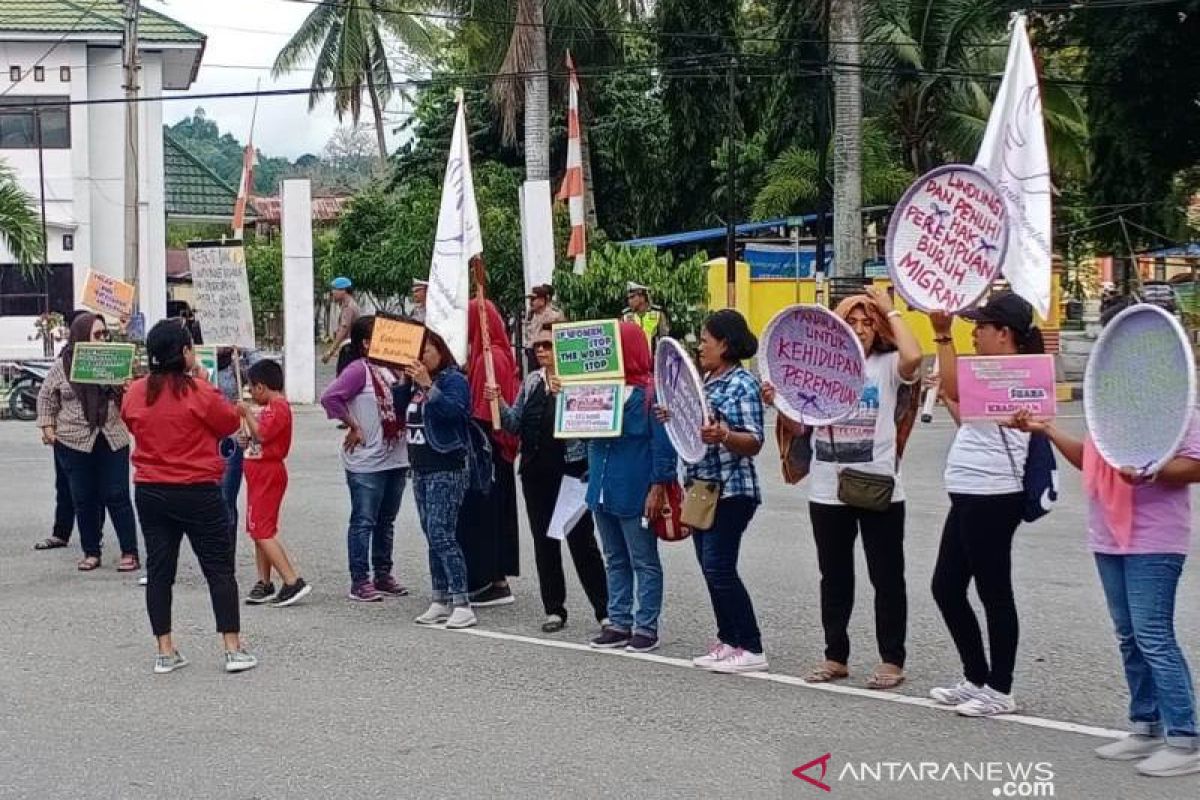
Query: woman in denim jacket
625	487
436	404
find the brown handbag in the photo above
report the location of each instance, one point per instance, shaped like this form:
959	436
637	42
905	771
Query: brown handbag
700	504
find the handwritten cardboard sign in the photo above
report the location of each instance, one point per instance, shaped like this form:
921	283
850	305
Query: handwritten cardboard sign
815	362
1139	388
222	293
588	351
102	363
106	295
396	341
996	387
677	386
947	239
589	410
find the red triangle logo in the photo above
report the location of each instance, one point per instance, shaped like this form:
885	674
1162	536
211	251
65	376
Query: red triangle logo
817	782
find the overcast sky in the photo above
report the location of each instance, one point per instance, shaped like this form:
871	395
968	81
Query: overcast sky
247	34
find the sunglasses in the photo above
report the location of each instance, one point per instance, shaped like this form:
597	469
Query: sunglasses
103	335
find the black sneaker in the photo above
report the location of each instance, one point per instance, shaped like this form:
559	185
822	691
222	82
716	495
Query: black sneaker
291	593
261	593
642	643
493	596
610	638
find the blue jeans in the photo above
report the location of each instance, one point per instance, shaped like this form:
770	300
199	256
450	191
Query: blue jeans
631	557
717	551
1140	590
100	480
374	504
231	481
439	497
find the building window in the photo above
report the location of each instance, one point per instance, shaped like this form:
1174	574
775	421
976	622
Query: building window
39	73
21	296
64	74
68	242
19	124
14	74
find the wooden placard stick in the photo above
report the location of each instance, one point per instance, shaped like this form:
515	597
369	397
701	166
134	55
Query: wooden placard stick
489	366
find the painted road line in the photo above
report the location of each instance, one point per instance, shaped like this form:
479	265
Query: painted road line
794	681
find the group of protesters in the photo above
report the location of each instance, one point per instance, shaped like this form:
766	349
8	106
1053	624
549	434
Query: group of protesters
432	424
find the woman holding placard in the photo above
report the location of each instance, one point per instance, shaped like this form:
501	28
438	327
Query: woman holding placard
734	435
869	443
627	479
545	462
984	478
82	421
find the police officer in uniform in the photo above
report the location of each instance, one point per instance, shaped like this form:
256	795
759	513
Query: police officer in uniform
650	318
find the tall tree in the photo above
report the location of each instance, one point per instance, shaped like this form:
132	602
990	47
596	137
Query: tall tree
845	31
347	38
20	227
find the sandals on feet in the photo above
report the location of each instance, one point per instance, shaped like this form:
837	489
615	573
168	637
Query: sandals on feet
886	676
129	563
50	543
828	671
89	563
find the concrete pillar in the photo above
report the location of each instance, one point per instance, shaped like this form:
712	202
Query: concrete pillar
299	333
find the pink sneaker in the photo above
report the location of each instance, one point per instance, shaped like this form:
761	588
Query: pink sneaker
742	661
365	592
718	651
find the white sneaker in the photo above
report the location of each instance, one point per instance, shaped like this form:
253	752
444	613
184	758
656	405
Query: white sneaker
1170	762
961	692
988	703
462	617
716	652
741	661
1131	748
239	661
167	664
436	613
142	581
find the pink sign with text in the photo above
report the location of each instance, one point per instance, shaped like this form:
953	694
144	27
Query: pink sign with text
996	387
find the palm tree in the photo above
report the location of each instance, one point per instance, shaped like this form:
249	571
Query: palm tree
20	227
524	82
845	31
792	179
347	38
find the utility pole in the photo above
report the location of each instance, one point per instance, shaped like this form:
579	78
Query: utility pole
823	136
731	187
131	65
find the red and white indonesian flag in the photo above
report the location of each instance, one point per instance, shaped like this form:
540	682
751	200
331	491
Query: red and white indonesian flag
249	159
457	241
1014	155
572	185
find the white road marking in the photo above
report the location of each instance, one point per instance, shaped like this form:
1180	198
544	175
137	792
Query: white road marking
792	680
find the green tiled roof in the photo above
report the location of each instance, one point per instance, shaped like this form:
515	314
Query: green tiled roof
191	188
86	16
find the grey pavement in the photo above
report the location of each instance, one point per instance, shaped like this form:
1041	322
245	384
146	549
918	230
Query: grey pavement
355	701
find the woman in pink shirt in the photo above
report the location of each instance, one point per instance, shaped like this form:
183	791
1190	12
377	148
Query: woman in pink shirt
1139	530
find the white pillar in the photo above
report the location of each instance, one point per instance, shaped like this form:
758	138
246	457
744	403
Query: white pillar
299	331
537	233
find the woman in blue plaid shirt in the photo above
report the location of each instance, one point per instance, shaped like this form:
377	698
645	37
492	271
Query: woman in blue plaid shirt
734	436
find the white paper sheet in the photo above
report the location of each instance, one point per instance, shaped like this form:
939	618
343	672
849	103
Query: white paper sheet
569	507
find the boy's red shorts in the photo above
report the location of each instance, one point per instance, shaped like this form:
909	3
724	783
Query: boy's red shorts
266	482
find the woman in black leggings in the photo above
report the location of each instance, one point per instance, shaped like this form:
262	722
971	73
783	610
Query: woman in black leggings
984	473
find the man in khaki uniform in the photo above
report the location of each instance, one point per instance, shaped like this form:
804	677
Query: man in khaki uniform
542	312
342	292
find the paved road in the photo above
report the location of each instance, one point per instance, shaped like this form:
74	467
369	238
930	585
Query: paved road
355	701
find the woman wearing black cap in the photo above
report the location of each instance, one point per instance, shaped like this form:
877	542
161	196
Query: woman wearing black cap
177	418
984	477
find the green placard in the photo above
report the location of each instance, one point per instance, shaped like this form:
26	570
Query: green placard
109	364
206	356
588	351
589	410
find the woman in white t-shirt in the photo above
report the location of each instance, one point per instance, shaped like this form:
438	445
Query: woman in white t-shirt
870	441
984	474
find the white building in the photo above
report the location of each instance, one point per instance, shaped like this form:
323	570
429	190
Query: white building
70	51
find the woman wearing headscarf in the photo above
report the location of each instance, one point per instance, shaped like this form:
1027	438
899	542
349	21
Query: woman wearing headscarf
487	526
177	418
871	441
375	457
627	478
83	423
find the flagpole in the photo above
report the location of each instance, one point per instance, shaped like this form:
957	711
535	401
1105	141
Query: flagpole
489	366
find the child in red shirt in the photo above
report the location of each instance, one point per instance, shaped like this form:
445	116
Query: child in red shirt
269	423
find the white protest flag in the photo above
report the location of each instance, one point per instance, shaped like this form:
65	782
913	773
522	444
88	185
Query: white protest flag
457	241
1014	156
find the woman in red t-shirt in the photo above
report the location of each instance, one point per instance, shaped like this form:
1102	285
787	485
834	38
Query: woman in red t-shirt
177	420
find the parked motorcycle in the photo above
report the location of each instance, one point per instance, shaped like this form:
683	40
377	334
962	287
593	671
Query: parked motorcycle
23	395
